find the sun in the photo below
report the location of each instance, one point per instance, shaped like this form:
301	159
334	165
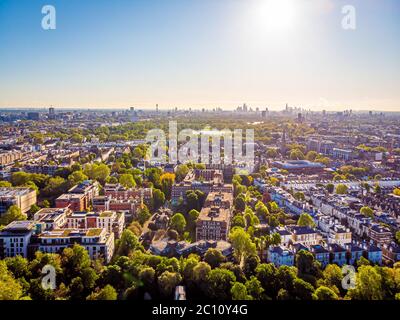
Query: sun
275	15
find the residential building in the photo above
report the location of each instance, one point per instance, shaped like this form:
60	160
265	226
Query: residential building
285	235
76	202
23	198
101	203
213	222
304	235
280	256
299	166
374	254
340	235
343	154
355	252
15	239
391	252
338	254
321	254
380	234
52	218
9	157
89	188
117	191
109	220
98	242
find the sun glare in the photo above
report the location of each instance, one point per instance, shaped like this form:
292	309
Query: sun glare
275	15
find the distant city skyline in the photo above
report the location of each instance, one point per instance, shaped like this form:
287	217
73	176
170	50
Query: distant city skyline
201	54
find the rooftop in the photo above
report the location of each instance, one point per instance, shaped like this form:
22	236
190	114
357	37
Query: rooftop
14	192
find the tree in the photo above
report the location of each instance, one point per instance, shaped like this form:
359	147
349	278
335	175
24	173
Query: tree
5	184
238	221
167	180
201	196
254	288
31	185
214	257
147	277
239	189
302	289
368	284
74	260
76	289
18	266
140	151
330	187
34	208
89	277
398	237
19	178
76	177
341	189
201	271
153	175
188	267
332	277
167	282
299	196
219	284
306	265
178	222
77	138
241	244
192	201
158	199
272	153
324	160
45	204
311	155
143	214
283	295
127	180
296	154
10	289
128	243
55	186
261	210
113	275
363	262
181	171
239	292
275	239
136	228
325	293
267	275
367	211
107	293
192	217
12	214
305	220
240	203
98	172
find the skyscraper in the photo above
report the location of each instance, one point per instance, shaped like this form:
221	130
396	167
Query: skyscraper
52	114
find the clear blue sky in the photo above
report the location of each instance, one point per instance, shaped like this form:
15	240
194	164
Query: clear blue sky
200	53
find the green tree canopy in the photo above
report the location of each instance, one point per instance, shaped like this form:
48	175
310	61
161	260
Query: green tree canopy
305	220
13	214
178	222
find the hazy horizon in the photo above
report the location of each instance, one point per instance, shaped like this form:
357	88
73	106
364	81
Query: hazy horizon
201	54
185	108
